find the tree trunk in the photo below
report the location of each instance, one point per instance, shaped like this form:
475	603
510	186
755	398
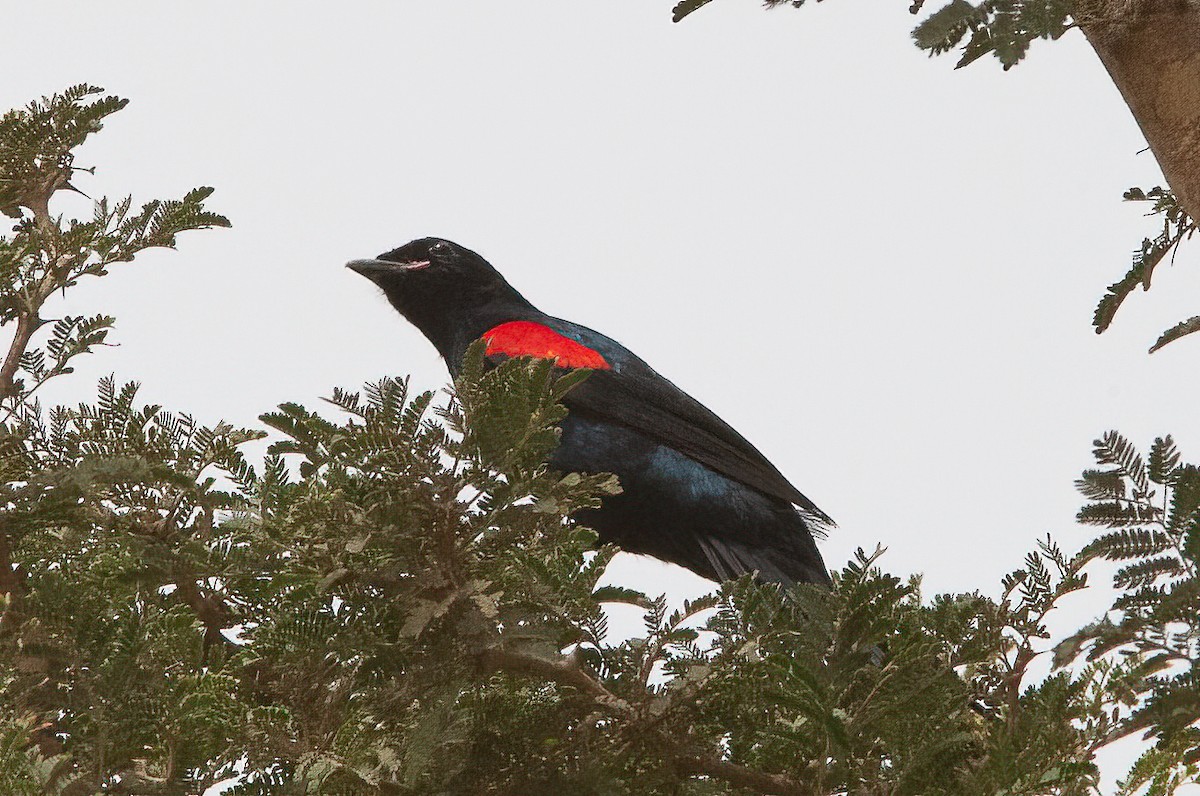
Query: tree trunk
1151	49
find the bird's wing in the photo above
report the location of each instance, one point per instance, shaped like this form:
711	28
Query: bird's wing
623	389
651	405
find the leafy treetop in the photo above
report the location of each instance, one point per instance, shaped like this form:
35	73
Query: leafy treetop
395	600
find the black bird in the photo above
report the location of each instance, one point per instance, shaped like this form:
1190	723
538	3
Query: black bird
695	491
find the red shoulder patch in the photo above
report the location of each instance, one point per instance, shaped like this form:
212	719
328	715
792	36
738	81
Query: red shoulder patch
529	339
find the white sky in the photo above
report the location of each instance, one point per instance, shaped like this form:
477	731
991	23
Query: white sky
882	271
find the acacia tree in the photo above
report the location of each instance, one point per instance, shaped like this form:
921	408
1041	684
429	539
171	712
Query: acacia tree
1151	49
396	601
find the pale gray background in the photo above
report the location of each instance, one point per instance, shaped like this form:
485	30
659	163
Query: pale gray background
880	270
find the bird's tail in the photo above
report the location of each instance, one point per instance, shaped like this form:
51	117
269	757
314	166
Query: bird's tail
730	559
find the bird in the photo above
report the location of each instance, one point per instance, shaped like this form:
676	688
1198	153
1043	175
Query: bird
695	492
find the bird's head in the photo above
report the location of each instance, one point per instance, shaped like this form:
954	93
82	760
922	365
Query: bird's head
444	289
427	268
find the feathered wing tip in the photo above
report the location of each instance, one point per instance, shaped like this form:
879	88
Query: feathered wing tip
818	523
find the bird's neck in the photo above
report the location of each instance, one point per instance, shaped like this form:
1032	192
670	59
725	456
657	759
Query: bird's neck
453	330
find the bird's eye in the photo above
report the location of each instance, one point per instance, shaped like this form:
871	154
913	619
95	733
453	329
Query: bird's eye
441	247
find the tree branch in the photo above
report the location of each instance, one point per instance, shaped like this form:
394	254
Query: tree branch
210	609
1151	49
564	671
10	583
27	324
742	777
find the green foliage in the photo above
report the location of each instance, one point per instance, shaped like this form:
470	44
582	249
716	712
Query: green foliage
685	7
1004	28
110	631
37	144
107	505
397	601
1154	624
1177	226
46	254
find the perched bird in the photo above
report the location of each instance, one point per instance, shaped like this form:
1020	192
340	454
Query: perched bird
695	492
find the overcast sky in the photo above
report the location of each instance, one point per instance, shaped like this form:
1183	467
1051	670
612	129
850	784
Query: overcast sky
880	270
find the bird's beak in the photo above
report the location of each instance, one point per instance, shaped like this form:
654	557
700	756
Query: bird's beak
375	269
